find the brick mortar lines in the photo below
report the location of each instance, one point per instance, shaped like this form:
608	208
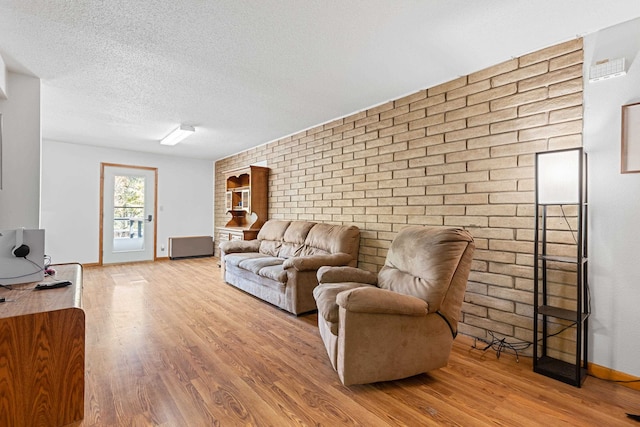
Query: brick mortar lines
458	154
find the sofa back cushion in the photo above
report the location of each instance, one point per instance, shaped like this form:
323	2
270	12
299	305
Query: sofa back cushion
271	235
286	239
294	238
324	239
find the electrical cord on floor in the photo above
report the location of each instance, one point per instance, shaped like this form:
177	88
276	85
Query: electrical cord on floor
500	345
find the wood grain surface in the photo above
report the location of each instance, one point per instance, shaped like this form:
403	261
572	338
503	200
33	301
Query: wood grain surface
42	336
22	300
170	344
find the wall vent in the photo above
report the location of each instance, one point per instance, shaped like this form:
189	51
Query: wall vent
190	247
607	69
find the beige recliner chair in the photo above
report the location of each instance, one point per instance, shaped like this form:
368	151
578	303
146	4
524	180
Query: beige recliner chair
402	321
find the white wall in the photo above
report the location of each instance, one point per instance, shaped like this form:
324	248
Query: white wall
614	200
20	193
71	197
3	79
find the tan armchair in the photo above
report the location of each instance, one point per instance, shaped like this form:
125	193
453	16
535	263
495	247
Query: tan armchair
402	321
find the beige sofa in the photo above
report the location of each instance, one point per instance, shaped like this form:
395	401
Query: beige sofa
402	321
280	265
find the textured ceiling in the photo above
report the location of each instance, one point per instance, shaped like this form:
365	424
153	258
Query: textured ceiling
123	73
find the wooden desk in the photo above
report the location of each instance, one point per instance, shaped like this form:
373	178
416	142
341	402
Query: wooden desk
42	339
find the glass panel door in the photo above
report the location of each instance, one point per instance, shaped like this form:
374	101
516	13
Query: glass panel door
128	213
128	228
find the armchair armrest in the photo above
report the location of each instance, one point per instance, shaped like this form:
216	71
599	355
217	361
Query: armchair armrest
329	274
381	301
314	262
235	246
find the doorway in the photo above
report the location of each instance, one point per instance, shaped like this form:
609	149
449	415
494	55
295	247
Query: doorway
127	213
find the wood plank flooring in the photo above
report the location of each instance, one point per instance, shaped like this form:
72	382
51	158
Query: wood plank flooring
170	344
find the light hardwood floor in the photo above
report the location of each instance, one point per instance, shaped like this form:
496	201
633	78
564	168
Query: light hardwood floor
170	344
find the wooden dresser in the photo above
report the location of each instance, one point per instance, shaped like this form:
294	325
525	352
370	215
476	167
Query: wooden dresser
246	202
236	233
42	344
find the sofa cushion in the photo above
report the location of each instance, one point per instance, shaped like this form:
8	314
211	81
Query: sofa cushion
273	229
254	284
270	247
330	239
231	246
236	258
294	238
256	264
274	272
271	235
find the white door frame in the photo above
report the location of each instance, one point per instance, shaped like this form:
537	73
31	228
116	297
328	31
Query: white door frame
102	195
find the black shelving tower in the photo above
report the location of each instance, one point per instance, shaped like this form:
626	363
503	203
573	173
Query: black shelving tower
570	373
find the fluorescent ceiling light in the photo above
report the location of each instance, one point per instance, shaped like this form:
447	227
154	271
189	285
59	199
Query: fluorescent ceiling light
177	135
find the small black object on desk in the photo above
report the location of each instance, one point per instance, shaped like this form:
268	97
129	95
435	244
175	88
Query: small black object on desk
52	285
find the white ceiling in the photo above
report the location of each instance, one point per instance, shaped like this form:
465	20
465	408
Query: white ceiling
123	73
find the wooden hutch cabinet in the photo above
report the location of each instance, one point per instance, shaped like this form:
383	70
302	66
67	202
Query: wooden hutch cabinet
246	201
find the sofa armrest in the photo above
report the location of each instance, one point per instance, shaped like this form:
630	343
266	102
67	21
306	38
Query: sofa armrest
381	301
314	262
329	274
235	246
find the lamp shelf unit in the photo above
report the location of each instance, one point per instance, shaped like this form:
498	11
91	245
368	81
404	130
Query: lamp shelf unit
555	191
560	370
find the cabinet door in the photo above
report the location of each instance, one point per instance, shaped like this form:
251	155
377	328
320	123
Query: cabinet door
228	200
246	200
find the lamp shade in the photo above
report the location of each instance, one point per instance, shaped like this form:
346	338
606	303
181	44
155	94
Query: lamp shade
558	176
177	135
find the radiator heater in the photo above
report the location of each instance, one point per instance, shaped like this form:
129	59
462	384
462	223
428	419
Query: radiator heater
190	247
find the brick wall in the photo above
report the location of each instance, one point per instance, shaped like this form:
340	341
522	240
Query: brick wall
457	154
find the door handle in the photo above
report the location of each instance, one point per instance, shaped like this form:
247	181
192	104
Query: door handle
149	218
